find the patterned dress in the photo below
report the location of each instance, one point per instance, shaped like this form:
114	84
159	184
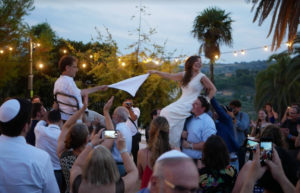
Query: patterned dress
67	160
217	181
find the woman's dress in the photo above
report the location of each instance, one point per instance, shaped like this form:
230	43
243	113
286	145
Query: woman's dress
177	112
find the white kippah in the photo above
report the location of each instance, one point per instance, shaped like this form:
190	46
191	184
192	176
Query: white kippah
9	110
172	154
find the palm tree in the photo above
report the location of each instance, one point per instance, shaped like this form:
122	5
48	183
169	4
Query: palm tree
288	16
279	83
212	28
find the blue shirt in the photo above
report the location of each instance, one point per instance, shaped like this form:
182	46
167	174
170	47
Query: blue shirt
224	126
199	129
122	127
241	126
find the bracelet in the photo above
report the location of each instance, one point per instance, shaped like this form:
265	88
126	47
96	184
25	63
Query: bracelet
123	150
191	145
91	145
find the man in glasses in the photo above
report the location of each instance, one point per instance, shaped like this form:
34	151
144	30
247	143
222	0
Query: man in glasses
173	172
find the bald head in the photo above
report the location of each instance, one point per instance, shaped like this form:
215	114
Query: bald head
178	171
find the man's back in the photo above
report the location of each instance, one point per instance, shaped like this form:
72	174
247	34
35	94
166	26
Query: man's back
24	168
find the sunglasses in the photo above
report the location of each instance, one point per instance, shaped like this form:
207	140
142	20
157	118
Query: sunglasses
179	188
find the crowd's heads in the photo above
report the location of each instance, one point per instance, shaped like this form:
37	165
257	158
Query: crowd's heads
262	115
273	133
188	68
268	107
36	99
174	171
294	112
158	138
120	114
68	64
54	116
155	113
214	160
100	167
77	136
15	117
38	111
200	105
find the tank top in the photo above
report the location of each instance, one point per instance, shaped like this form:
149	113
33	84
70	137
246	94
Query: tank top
146	174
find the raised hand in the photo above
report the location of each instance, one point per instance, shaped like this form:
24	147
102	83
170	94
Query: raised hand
108	105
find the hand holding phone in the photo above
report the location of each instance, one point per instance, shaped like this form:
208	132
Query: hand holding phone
265	151
251	144
109	134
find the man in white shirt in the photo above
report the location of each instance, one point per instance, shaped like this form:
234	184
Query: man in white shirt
66	84
23	168
198	128
47	139
132	123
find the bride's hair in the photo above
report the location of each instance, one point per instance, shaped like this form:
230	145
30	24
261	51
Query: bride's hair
188	67
158	138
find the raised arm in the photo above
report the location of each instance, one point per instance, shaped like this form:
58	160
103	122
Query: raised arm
211	89
91	90
108	143
132	173
65	128
172	76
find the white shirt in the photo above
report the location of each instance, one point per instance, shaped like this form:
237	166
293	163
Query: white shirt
129	123
199	129
46	138
122	127
66	84
25	168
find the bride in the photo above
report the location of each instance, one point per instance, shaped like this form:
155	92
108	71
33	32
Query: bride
192	82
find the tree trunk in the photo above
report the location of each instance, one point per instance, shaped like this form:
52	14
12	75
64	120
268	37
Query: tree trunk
211	69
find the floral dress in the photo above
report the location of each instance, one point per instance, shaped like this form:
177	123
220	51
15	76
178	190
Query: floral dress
217	181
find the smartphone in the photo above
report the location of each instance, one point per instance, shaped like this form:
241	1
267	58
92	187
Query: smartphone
251	144
109	134
265	151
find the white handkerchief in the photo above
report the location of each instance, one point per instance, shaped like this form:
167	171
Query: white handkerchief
130	85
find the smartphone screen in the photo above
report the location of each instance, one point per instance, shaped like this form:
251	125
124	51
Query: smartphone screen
107	134
251	144
265	151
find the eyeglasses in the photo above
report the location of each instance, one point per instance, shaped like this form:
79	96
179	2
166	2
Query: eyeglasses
179	188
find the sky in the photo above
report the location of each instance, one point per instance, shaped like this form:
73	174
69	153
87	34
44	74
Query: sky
172	19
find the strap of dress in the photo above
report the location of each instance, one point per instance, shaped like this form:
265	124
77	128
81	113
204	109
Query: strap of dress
76	184
120	187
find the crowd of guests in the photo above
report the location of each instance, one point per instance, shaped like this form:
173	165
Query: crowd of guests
65	150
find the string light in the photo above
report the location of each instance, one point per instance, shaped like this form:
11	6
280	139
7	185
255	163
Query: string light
288	44
176	59
10	48
119	59
91	56
65	51
156	62
235	53
38	44
216	57
1	51
84	65
41	66
266	48
243	52
123	64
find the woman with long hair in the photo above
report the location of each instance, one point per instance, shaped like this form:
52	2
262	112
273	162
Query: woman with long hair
192	81
217	175
157	145
261	122
95	169
271	114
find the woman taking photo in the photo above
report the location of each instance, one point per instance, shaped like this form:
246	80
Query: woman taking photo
192	82
157	145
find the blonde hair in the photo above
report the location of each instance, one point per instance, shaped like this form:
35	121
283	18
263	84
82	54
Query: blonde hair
158	138
100	167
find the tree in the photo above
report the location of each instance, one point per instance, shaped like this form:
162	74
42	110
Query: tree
288	14
279	83
212	28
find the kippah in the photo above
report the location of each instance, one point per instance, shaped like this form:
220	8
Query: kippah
172	154
9	110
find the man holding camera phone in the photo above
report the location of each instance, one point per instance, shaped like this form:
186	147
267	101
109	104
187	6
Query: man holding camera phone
132	123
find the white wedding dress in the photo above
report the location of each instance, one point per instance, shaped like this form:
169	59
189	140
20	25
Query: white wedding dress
177	112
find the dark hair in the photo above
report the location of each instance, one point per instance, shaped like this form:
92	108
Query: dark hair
273	133
236	103
36	108
154	112
215	154
204	102
54	116
66	61
76	136
188	67
14	127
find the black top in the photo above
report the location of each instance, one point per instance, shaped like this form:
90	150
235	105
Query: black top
30	137
76	184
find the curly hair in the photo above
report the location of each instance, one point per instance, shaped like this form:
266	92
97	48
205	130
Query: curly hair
188	68
76	136
158	138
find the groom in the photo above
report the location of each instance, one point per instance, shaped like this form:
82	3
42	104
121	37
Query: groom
198	128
